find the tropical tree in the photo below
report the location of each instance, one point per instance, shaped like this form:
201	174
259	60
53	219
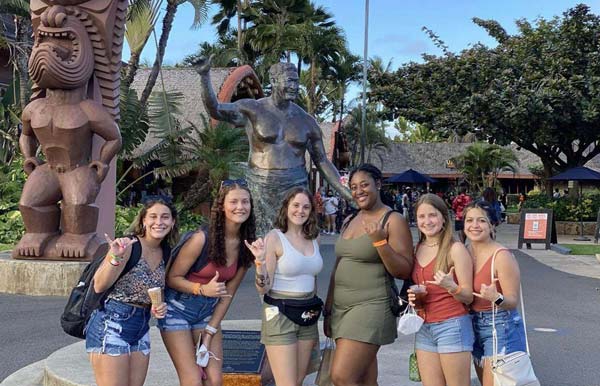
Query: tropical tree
481	163
537	88
342	72
376	142
200	14
415	133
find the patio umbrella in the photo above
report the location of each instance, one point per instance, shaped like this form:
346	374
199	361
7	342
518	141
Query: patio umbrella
579	173
411	177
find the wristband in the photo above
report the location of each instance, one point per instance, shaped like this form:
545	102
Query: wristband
197	289
210	329
116	258
114	263
380	243
456	291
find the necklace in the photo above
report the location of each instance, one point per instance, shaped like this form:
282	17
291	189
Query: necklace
432	244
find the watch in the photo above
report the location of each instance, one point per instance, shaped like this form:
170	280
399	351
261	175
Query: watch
499	299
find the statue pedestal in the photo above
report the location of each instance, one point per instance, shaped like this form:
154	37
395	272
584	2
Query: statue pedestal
38	277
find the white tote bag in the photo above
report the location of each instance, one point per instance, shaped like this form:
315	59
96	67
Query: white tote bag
514	369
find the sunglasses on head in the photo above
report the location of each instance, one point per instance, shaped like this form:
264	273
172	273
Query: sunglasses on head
157	197
239	182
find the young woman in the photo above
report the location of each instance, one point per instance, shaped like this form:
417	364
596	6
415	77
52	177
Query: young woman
117	335
445	341
198	301
330	204
502	289
357	311
288	262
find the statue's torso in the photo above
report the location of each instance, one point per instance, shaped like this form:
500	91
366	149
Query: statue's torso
64	133
278	138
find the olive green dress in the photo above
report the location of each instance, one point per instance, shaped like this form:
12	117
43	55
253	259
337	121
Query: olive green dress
361	296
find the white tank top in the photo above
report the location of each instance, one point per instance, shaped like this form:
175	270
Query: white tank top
295	272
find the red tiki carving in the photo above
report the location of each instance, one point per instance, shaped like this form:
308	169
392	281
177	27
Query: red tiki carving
74	64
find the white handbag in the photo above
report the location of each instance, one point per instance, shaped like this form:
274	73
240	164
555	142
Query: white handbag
514	369
409	322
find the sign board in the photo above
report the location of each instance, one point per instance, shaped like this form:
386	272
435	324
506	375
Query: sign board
242	352
536	227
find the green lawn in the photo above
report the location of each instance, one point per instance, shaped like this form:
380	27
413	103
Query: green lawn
5	247
583	249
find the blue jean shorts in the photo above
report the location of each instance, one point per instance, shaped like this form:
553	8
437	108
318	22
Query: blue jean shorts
118	328
509	328
186	311
448	336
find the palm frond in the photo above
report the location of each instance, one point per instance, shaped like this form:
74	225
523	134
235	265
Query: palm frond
140	22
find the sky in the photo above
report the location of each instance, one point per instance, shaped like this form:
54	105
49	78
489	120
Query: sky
394	25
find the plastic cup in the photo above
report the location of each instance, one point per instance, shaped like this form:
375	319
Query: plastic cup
420	291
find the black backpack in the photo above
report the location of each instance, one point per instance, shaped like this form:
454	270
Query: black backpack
202	259
83	300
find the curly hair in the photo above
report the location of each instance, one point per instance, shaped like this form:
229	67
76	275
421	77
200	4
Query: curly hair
216	232
137	227
447	239
371	170
310	229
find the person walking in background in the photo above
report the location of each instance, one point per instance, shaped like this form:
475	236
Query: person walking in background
501	289
117	334
198	300
458	205
489	195
330	205
406	205
443	273
522	199
319	207
287	265
357	312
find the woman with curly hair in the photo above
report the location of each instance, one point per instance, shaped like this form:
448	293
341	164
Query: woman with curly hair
287	264
198	300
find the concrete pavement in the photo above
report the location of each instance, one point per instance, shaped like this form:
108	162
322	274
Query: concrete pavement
70	366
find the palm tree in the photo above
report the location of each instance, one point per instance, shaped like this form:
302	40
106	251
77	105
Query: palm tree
200	14
481	162
376	141
21	47
228	9
343	71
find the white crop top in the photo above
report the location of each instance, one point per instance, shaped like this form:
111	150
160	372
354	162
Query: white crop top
295	272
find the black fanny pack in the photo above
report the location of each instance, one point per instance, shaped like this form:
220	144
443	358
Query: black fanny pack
303	312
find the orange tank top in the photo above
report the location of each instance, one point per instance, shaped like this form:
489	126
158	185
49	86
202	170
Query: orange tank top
484	276
208	272
439	305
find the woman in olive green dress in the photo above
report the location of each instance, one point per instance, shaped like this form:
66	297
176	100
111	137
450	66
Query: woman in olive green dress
357	311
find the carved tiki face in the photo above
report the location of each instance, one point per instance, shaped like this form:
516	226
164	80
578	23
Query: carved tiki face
62	56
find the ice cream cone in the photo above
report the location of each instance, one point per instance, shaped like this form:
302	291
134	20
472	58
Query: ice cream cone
155	296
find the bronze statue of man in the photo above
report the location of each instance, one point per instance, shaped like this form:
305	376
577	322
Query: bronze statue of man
280	132
65	65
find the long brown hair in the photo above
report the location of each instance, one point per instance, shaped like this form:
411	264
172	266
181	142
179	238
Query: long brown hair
487	209
310	229
216	232
137	227
442	262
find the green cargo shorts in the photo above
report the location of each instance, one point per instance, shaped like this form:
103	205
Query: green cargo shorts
279	330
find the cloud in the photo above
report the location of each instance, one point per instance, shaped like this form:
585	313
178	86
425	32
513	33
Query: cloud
403	45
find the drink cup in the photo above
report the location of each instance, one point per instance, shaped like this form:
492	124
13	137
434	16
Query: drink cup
156	296
420	292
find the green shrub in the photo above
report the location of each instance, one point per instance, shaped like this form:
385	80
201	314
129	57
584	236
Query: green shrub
567	208
126	215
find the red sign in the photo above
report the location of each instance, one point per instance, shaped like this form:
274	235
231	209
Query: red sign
535	226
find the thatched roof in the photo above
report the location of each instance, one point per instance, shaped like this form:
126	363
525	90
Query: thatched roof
229	84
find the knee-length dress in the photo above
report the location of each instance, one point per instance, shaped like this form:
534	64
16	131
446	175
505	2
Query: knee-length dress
361	296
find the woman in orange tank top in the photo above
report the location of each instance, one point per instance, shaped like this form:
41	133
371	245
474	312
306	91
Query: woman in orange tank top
502	289
443	265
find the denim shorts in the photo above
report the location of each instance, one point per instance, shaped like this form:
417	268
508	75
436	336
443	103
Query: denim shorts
448	336
118	328
509	329
186	311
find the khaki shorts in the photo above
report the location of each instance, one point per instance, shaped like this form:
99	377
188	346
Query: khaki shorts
279	330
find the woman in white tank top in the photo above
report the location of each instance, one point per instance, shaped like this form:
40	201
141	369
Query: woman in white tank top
287	263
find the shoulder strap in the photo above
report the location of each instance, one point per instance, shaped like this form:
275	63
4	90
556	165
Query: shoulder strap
202	259
134	258
494	310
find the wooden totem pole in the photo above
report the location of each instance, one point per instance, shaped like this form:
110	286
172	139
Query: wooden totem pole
75	66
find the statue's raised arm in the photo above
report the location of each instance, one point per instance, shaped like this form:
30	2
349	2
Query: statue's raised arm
227	112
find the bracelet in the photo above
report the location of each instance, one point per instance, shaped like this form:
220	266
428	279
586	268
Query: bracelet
114	263
210	329
456	291
380	243
197	289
